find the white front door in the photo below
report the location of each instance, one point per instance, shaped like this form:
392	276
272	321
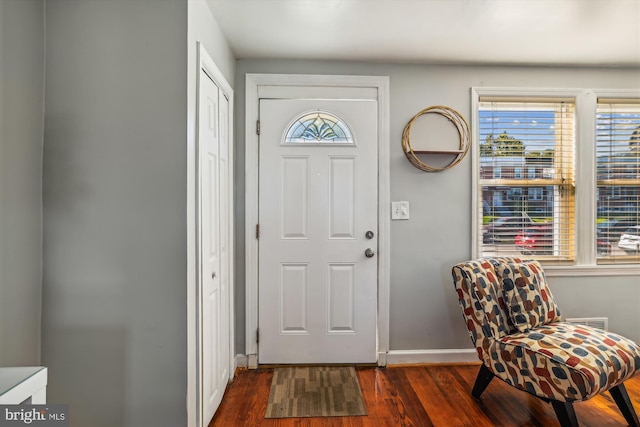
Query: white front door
318	204
213	146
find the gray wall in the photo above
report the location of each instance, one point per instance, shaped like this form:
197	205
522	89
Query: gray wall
114	288
424	312
21	124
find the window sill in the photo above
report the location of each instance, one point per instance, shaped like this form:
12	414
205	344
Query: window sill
591	270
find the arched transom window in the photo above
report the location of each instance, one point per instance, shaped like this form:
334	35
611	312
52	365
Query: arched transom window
318	127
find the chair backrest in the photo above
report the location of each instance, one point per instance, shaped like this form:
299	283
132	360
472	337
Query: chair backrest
480	296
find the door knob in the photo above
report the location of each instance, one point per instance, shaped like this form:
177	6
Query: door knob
369	253
369	234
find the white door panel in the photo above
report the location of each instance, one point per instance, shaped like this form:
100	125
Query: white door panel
317	289
214	242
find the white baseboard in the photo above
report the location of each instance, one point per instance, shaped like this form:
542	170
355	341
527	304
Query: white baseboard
397	357
242	361
247	361
450	355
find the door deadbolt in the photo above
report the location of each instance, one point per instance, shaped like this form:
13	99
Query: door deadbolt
369	234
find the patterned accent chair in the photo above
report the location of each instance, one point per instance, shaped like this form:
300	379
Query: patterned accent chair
521	338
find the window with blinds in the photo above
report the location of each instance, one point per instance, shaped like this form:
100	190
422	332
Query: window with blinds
618	180
526	183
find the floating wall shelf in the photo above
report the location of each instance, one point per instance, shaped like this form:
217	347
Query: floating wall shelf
463	132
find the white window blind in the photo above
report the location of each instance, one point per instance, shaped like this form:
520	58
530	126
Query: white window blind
530	213
618	180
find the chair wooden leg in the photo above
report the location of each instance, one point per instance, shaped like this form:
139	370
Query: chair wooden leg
565	413
482	381
619	394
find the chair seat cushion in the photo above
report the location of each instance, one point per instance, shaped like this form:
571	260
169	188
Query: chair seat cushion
563	361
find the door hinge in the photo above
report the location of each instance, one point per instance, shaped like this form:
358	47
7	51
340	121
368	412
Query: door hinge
258	336
257	127
258	231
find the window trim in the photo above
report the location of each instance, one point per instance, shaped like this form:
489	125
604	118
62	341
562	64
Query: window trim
585	172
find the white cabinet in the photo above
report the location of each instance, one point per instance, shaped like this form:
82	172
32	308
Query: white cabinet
23	385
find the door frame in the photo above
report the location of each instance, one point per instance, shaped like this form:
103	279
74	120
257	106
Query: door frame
206	65
283	86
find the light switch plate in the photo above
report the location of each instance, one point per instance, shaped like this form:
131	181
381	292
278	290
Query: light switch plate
399	210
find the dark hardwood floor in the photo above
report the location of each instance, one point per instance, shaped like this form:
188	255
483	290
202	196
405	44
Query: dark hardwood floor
420	396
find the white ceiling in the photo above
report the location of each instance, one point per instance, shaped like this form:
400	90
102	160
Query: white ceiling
545	32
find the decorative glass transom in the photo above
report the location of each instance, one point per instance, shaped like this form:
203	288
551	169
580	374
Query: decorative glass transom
318	127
